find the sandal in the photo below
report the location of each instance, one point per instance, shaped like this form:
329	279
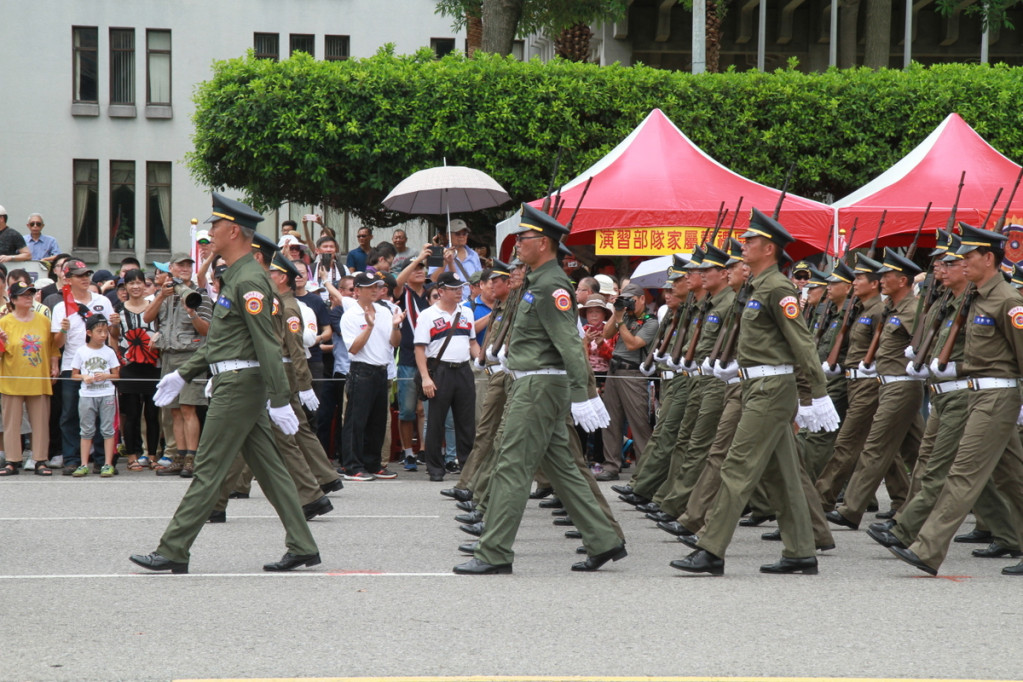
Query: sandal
42	469
11	469
144	462
134	464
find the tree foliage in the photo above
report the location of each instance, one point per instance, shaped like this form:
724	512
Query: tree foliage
548	16
345	133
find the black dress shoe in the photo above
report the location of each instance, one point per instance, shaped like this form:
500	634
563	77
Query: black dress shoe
839	520
291	561
460	494
978	536
541	493
661	517
871	507
690	540
890	514
574	534
238	496
317	508
910	557
648	508
552	503
674	527
754	521
560	511
476	567
157	562
634	499
472	528
622	489
996	551
468	547
217	517
333	486
883	525
466	505
563	521
436	478
449	492
826	548
1013	570
580	550
885	538
806	566
472	517
773	536
595	562
700	561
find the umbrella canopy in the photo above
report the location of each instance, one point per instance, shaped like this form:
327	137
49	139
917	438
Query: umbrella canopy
446	189
651	274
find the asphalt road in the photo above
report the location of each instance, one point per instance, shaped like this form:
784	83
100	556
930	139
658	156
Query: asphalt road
384	603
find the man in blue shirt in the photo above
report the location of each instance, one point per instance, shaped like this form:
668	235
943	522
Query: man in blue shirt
357	257
42	247
459	259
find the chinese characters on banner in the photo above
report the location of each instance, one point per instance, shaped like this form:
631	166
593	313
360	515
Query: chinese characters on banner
651	241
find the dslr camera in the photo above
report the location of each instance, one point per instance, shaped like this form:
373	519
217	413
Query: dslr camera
626	303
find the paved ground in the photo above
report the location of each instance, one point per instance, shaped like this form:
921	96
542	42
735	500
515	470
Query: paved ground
384	602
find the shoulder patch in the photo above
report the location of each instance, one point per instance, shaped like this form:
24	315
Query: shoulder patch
562	300
253	302
1016	316
790	307
294	324
277	307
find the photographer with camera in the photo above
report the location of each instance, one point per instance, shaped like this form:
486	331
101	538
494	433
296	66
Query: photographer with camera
626	394
183	313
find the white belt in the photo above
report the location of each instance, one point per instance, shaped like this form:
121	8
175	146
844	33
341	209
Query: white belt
984	383
518	374
231	365
894	379
949	386
667	374
760	371
491	370
857	374
286	360
733	380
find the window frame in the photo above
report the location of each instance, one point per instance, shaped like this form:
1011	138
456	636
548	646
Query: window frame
114	63
344	40
76	64
149	63
311	37
84	251
151	250
275	56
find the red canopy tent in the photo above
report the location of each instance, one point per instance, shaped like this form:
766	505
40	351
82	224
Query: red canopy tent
930	173
657	179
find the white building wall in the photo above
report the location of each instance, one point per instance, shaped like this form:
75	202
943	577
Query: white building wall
39	137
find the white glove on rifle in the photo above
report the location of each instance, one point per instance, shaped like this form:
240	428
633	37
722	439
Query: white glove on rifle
690	367
867	372
909	352
948	373
1019	419
705	367
490	354
648	370
479	364
660	357
921	373
309	399
831	372
726	372
168	389
284	417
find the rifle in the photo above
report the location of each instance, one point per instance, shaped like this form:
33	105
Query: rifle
957	326
582	196
1005	214
852	235
784	191
922	347
912	247
683	328
497	342
664	335
991	210
872	251
731	228
950	225
550	188
808	311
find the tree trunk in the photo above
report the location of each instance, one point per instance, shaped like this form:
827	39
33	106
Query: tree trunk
573	43
474	34
500	22
713	37
848	18
878	31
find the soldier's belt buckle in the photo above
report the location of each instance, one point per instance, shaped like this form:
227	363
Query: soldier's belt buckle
970	385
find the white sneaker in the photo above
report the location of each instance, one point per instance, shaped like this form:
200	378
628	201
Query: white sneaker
57	462
30	464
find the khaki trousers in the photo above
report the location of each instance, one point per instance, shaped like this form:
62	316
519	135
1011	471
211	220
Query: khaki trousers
38	409
626	396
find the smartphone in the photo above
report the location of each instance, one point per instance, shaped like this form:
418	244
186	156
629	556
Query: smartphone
310	218
436	257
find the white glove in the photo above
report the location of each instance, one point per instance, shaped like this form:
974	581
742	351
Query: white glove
502	355
948	373
583	415
647	370
490	354
659	357
1019	419
831	372
804	417
726	372
309	399
208	392
284	417
824	416
922	373
705	367
479	364
688	367
168	388
868	372
909	352
600	413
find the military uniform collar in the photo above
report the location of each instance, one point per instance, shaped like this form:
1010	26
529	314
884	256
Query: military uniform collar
985	289
769	270
233	269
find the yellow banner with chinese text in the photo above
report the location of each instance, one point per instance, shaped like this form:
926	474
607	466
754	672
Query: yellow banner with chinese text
651	241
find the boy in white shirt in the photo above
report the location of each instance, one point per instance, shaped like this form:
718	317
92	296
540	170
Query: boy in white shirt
96	365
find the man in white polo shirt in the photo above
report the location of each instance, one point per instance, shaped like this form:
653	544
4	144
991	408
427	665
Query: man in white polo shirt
452	385
370	333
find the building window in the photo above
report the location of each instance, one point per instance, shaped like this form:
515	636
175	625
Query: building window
86	203
303	42
158	67
519	50
266	46
86	59
122	204
122	66
335	48
442	46
158	205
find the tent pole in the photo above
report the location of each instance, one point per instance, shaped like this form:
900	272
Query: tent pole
833	47
699	36
907	40
761	35
984	45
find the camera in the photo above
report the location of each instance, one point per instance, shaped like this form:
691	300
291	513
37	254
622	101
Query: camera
626	303
192	299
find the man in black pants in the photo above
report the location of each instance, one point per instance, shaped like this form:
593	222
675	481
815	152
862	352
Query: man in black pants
447	341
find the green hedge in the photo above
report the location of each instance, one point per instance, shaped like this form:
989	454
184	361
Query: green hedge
345	133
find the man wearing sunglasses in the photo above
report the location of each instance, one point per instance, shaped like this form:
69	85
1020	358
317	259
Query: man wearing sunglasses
41	246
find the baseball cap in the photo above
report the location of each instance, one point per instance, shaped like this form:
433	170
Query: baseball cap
101	276
202	237
449	281
607	285
94	320
368	279
76	267
458	225
180	257
631	289
19	288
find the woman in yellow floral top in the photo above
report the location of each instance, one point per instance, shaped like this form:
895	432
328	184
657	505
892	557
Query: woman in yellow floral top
28	362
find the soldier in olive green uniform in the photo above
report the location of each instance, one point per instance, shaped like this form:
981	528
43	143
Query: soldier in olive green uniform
243	355
772	340
899	398
546	362
990	445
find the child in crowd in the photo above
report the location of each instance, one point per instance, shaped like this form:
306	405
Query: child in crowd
596	311
96	365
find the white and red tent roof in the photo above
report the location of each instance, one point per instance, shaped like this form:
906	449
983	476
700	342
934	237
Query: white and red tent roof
657	177
930	173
